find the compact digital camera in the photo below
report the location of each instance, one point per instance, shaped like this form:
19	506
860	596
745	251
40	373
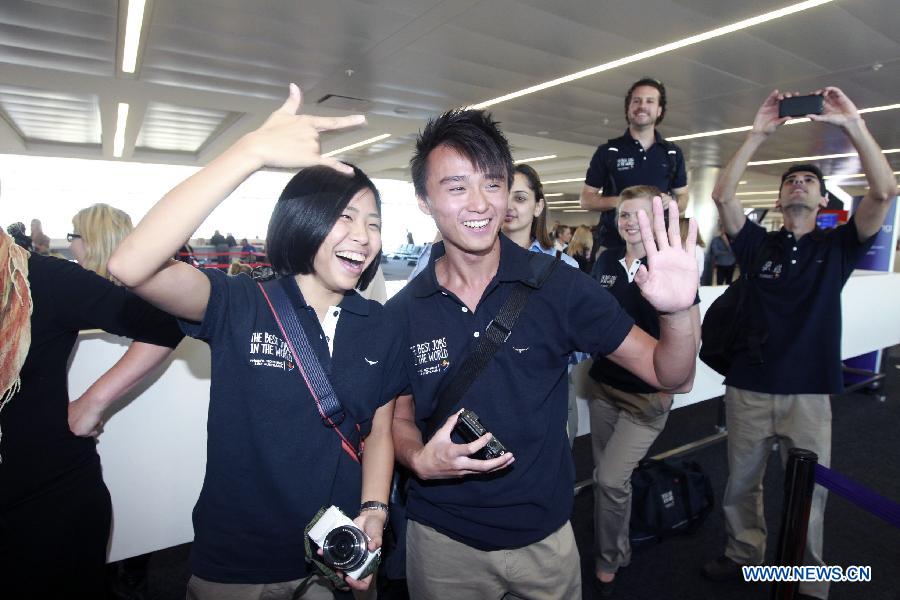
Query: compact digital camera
470	429
344	545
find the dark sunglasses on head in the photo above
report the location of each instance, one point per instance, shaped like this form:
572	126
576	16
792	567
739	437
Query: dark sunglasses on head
73	236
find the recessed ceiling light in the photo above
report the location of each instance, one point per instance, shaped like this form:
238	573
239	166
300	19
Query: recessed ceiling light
692	136
134	22
121	122
573	180
810	158
371	140
535	159
688	41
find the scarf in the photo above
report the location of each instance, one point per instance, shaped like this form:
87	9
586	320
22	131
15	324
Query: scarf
15	316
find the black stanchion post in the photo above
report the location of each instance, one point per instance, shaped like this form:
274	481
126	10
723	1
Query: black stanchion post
799	480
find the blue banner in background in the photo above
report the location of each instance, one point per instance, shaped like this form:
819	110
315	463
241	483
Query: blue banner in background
880	257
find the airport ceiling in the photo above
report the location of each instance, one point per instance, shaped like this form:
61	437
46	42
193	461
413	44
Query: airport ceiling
211	70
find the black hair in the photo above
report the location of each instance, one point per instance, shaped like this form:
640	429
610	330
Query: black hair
473	134
650	82
809	169
305	213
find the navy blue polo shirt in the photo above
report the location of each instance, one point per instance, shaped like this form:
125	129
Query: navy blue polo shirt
632	165
799	289
612	276
521	396
271	464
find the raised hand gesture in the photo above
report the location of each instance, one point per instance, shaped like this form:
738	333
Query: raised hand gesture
767	119
669	280
290	139
837	110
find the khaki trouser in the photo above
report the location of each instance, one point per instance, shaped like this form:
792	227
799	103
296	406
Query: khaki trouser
619	441
314	587
440	568
755	421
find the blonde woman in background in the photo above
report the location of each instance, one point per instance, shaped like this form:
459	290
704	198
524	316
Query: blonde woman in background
55	510
581	247
98	230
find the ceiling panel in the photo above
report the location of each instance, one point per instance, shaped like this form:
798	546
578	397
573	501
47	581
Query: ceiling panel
178	128
410	59
41	115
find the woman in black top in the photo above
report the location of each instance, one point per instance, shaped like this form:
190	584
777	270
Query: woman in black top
54	507
626	413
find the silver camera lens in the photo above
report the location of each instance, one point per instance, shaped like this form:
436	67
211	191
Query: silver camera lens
345	547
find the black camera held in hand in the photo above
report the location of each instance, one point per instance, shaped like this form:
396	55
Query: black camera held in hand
470	429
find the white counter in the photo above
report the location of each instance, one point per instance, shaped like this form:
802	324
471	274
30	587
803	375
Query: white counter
154	451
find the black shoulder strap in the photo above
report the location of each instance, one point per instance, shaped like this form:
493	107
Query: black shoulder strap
495	334
671	160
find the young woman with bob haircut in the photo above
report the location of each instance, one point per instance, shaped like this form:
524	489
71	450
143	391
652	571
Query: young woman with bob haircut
271	461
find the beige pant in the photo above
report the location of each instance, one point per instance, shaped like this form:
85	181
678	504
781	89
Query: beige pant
755	421
440	568
619	441
314	587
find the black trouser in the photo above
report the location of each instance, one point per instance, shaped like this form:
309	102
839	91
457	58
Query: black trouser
724	274
53	545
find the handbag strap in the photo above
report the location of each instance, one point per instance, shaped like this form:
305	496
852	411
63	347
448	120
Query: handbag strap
308	365
495	334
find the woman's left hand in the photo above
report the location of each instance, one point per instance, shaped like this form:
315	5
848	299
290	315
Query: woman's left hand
669	280
85	419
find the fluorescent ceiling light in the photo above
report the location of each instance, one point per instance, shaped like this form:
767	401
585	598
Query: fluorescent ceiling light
688	41
742	182
371	140
756	193
553	195
573	180
576	210
853	175
134	21
121	121
692	136
811	158
838	192
565	203
534	159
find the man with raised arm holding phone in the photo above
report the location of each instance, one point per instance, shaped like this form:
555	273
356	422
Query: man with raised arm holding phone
488	528
800	271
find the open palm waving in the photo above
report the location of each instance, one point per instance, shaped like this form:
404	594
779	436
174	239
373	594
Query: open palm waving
669	280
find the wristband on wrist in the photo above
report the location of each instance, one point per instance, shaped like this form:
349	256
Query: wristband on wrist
374	505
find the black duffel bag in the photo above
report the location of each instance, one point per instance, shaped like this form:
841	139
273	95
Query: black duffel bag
668	498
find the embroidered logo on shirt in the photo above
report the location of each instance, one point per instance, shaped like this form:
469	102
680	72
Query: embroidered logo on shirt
521	350
264	344
608	281
371	362
431	356
623	164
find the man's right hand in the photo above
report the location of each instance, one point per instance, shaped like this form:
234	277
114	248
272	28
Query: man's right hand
441	458
767	119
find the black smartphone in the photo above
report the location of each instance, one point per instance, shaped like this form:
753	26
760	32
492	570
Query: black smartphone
800	106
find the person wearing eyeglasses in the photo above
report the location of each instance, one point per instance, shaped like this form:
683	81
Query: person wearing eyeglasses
641	156
55	510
